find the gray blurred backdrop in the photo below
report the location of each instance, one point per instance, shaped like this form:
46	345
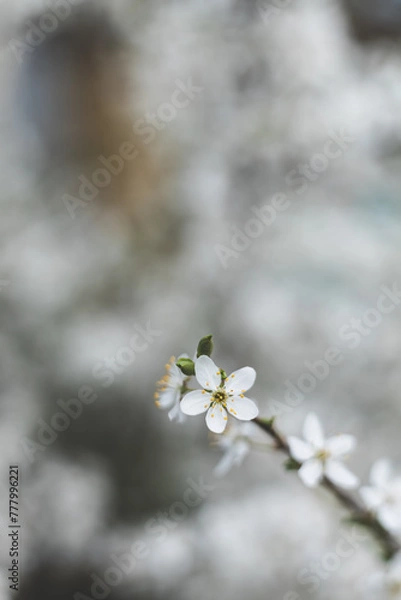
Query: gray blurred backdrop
212	108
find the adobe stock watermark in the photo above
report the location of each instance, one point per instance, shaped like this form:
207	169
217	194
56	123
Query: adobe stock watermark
241	240
268	10
298	180
312	576
124	562
337	143
350	335
36	33
71	409
146	129
106	370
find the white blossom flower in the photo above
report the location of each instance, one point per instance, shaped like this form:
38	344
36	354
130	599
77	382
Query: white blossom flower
386	585
236	443
322	457
219	397
384	495
168	393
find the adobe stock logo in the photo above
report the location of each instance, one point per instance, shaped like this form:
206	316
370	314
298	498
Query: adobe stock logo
36	33
297	180
69	410
125	561
351	335
267	10
311	577
254	227
145	130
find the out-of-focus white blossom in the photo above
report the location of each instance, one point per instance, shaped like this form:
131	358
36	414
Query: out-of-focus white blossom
219	396
236	443
384	495
386	585
322	457
168	393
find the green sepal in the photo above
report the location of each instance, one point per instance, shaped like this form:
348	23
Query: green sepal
205	346
291	465
186	366
268	422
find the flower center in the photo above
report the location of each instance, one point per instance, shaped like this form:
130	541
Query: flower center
322	455
391	500
220	397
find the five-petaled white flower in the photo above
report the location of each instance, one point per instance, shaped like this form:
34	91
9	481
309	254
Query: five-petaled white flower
220	396
321	457
169	388
384	495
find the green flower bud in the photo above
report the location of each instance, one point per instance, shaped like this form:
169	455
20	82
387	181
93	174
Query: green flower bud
205	346
187	366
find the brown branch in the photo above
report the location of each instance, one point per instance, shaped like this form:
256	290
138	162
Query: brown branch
359	514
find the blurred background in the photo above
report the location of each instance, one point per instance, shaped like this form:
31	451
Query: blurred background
139	140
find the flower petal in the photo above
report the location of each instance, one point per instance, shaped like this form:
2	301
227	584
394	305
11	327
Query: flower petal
372	497
216	418
381	471
311	472
224	465
240	381
233	457
207	373
299	449
168	398
339	445
341	475
175	414
390	517
313	432
195	403
395	566
176	375
243	409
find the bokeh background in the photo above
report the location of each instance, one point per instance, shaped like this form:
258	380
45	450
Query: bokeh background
276	82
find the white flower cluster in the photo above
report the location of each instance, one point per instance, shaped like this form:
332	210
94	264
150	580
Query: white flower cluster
316	458
222	394
320	457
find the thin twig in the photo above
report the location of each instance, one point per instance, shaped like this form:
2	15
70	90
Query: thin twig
359	514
